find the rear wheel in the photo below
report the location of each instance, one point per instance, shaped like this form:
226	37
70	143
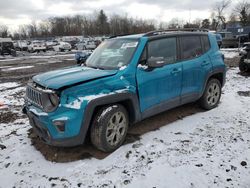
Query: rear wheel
109	128
242	65
211	95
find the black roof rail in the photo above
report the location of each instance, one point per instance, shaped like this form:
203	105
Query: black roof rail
160	32
120	35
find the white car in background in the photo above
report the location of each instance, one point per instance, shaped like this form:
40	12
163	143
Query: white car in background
37	46
50	44
62	46
86	45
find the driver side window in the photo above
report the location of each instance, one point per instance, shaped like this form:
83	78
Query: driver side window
163	48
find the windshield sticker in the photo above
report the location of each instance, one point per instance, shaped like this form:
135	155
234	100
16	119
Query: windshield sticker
129	45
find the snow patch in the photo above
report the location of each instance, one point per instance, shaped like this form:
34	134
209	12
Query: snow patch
7	85
230	53
143	66
123	67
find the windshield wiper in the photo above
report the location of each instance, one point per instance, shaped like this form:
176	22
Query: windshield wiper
95	67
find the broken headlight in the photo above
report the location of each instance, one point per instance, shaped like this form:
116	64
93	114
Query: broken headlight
50	102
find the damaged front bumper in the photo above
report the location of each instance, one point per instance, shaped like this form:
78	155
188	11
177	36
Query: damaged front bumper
55	130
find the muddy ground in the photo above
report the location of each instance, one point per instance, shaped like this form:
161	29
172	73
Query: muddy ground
39	65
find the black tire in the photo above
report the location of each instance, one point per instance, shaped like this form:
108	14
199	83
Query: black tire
107	134
242	65
212	94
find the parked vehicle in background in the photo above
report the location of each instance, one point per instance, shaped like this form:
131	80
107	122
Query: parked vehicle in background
125	80
7	47
97	43
62	46
228	40
244	64
86	45
71	40
219	39
242	38
21	45
243	48
37	46
50	44
81	56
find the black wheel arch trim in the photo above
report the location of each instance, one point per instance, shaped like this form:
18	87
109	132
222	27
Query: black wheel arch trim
221	70
126	97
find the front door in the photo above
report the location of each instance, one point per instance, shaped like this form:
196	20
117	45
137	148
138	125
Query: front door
158	86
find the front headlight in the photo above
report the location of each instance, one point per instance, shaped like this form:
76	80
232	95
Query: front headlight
50	102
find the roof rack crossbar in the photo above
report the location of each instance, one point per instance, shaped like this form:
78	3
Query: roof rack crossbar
159	32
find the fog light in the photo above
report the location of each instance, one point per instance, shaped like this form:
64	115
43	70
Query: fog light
60	125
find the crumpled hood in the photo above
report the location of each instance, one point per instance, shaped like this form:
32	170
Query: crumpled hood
70	76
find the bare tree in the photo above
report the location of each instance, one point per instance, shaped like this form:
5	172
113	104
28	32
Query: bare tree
4	31
22	32
205	24
88	25
242	10
175	23
219	11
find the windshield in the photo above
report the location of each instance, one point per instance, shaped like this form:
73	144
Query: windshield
112	54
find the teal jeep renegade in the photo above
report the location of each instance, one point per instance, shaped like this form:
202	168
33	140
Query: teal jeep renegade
126	79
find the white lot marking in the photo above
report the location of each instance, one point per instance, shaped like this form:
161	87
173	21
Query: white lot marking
49	62
17	68
12	59
69	59
206	149
5	67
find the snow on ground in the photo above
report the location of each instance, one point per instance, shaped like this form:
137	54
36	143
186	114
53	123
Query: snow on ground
7	85
11	97
207	149
230	52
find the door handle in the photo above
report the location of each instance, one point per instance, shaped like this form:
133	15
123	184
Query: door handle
175	71
204	63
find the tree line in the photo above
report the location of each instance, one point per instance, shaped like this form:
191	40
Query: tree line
96	24
99	24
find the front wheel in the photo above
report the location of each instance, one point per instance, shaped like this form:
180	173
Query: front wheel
109	128
211	95
242	65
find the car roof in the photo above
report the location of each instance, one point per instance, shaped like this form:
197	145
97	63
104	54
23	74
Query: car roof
162	34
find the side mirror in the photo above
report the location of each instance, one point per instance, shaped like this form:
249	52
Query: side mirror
156	62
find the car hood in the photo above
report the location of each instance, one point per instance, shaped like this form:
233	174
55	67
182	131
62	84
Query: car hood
70	76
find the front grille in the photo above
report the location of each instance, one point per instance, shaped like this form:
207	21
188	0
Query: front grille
34	96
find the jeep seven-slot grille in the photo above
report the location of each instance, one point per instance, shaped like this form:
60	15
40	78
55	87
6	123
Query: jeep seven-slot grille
34	96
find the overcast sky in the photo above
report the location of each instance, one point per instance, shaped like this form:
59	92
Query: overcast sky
16	12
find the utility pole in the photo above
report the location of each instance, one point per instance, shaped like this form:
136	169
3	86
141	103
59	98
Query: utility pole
240	30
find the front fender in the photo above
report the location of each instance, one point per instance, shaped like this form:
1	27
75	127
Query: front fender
128	99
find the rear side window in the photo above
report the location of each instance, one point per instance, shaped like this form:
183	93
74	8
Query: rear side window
191	47
165	48
206	43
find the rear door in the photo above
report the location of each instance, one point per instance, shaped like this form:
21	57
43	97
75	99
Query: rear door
196	66
160	85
